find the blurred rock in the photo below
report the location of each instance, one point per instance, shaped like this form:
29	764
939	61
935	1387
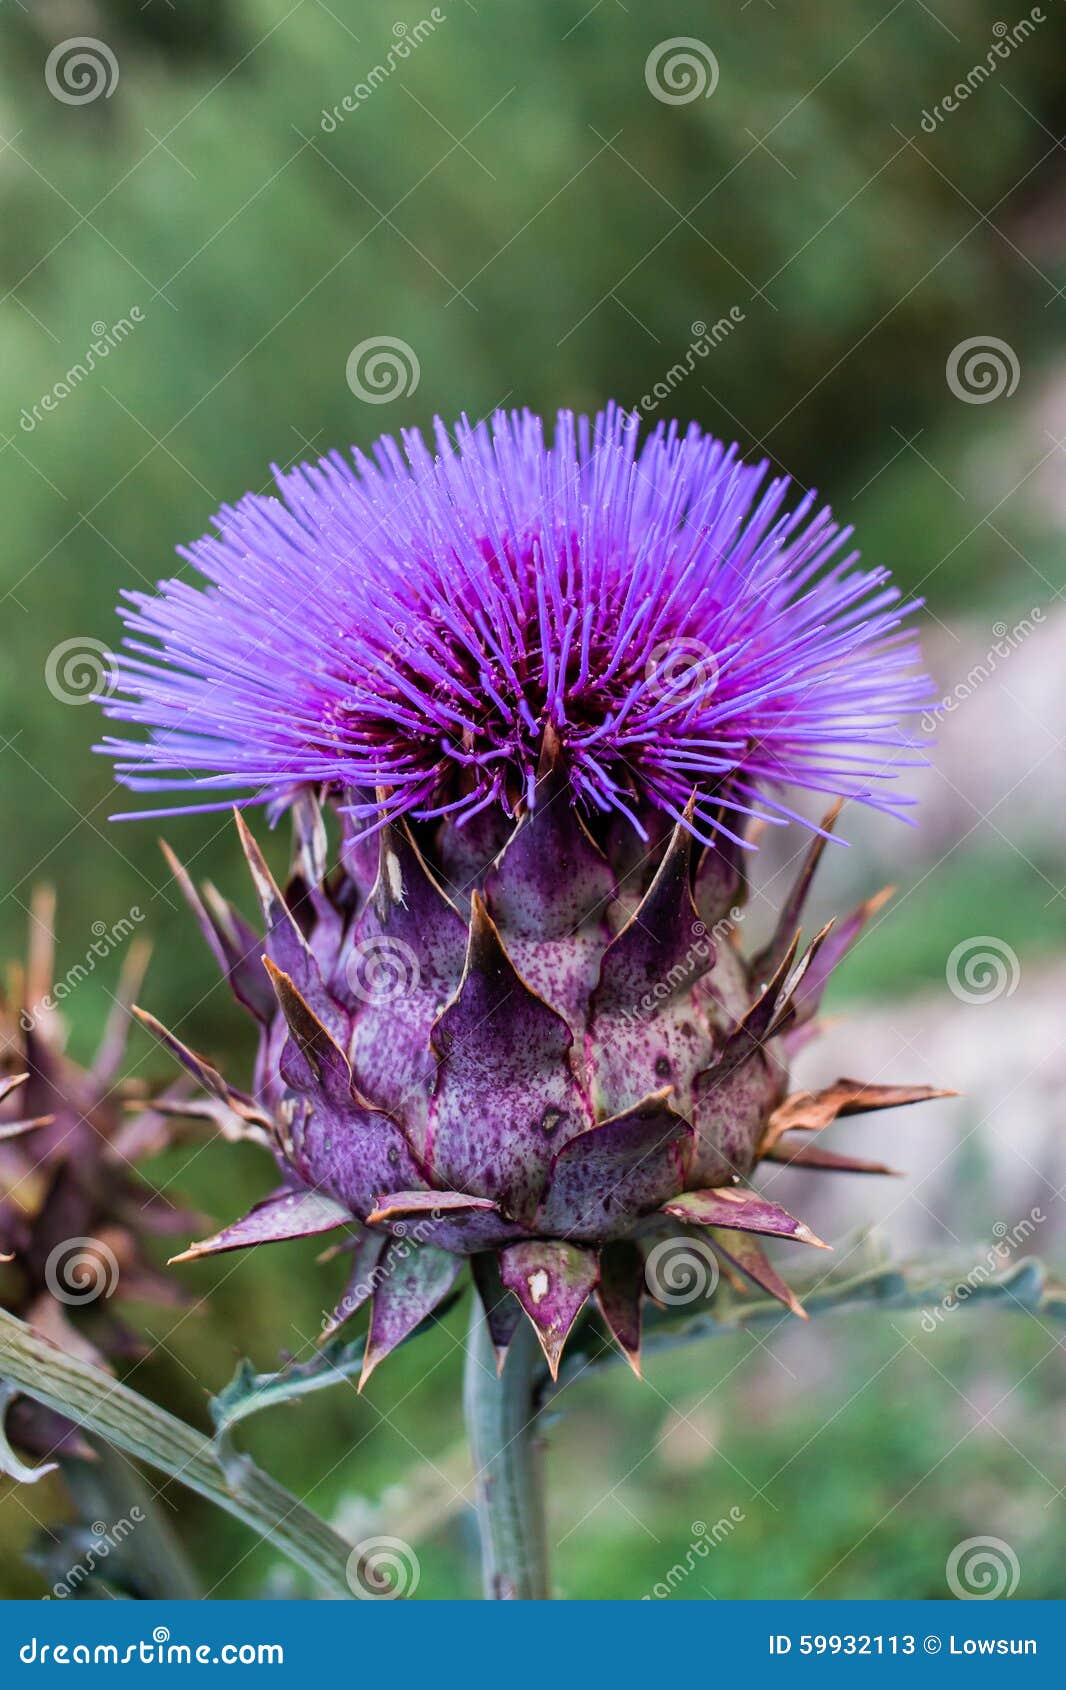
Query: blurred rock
992	1159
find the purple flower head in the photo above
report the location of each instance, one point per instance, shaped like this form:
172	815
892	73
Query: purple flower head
406	628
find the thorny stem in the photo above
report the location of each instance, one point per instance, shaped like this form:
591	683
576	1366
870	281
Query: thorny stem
508	1462
939	1291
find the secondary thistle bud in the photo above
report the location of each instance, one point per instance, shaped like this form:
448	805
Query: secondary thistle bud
74	1217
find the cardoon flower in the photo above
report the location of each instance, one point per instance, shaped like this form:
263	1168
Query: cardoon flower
546	688
420	622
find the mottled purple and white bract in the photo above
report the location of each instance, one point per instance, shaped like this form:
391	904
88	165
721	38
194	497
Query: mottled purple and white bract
545	688
415	620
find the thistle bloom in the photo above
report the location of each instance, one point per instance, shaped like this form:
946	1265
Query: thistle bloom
546	688
419	622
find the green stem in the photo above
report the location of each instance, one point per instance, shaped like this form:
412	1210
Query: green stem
508	1460
129	1422
939	1291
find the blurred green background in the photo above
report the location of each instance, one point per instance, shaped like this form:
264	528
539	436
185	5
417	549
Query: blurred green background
513	203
